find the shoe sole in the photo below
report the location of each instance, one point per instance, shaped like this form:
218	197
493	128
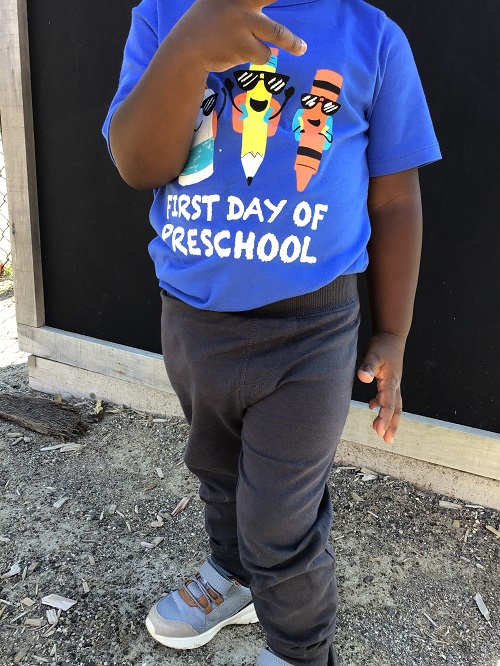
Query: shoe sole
246	615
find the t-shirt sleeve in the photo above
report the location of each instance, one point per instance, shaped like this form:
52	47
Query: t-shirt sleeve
142	44
401	134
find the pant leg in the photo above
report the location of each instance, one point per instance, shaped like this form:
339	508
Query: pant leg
203	354
290	432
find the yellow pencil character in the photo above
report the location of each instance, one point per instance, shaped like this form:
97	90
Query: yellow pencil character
255	111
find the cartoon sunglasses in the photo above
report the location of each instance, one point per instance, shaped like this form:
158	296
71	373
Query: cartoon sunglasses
208	104
328	107
247	79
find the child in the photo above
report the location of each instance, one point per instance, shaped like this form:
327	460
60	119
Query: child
303	162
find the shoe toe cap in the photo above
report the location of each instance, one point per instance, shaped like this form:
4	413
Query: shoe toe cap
168	628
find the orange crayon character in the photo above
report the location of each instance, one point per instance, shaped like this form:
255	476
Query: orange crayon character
313	124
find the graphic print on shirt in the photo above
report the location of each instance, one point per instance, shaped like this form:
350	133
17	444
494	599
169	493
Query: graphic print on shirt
200	164
313	124
256	112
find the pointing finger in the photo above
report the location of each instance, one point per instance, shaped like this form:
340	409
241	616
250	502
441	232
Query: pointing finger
268	30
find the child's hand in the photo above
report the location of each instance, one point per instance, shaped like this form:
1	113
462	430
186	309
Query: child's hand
224	33
383	360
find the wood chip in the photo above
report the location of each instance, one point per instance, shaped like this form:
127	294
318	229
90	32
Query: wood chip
160	420
482	607
33	567
60	502
53	652
157	523
20	655
14	435
153	544
52	617
54	447
34	622
28	602
72	447
344	469
183	504
4	539
120	514
85	586
13	571
136	509
430	619
150	486
365	470
111	509
493	531
356	497
369	477
128	526
456	524
40	660
91	560
57	601
449	505
159	472
17	441
372	514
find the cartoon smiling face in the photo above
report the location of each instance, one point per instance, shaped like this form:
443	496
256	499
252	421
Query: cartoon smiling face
261	82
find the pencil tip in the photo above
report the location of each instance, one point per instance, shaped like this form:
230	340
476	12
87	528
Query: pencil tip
249	180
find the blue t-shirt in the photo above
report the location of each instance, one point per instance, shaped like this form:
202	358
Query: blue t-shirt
272	202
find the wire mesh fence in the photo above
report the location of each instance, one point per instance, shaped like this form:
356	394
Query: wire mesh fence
5	249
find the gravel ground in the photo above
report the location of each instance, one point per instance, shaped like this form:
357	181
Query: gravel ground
409	569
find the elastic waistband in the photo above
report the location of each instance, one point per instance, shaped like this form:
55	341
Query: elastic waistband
342	291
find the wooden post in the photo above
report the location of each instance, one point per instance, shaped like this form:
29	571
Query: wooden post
19	148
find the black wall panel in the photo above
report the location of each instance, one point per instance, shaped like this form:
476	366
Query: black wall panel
99	280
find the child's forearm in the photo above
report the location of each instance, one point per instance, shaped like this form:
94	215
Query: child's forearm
151	131
394	250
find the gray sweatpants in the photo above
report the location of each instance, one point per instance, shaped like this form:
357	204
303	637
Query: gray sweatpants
267	393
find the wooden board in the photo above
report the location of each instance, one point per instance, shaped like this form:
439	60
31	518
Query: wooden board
105	358
19	150
52	377
449	482
68	358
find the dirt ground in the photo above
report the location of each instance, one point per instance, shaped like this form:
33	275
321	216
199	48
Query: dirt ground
74	523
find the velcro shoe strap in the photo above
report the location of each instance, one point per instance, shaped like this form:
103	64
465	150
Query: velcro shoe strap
213	578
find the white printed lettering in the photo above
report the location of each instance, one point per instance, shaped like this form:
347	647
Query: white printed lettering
184	201
205	237
302	214
169	201
195	202
210	199
240	244
274	249
174	207
166	232
276	209
319	214
284	256
221	251
236	208
254	209
177	237
304	257
191	242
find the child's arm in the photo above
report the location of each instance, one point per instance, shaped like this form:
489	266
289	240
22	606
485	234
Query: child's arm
394	249
151	131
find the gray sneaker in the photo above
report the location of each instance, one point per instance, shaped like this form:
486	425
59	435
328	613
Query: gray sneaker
268	658
191	616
